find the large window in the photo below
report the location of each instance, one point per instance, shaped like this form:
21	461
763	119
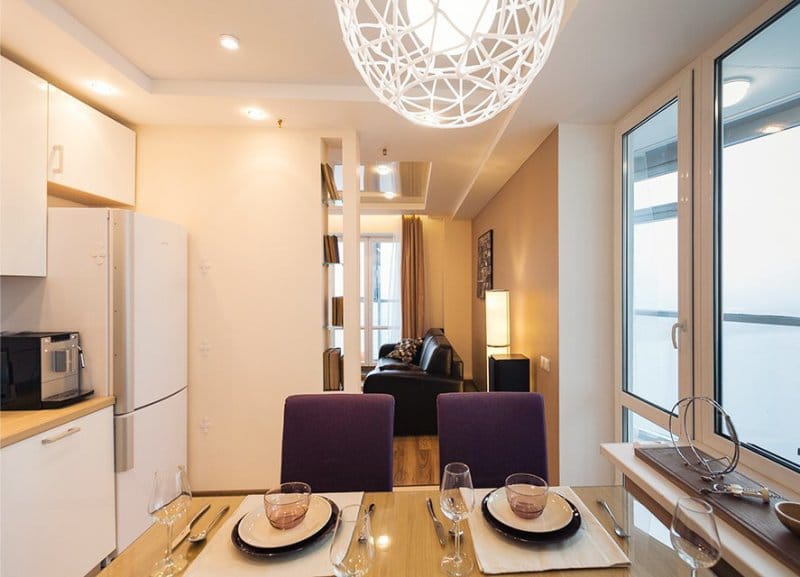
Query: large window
757	238
721	319
651	272
655	169
380	295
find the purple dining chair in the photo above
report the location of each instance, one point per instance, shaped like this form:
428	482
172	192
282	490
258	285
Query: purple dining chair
338	442
495	433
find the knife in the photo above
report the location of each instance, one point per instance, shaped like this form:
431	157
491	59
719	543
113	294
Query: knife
185	531
437	524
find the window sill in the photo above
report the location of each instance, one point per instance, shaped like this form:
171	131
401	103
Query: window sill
741	553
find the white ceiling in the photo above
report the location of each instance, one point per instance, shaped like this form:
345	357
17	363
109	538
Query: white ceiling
164	60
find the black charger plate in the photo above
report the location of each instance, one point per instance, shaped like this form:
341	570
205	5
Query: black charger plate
530	537
269	552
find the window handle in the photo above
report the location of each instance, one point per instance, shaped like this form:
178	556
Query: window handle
674	334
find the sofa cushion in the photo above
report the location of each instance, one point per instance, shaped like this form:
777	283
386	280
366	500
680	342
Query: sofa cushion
387	364
405	350
437	356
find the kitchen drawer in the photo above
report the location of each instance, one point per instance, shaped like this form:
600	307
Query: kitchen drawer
57	499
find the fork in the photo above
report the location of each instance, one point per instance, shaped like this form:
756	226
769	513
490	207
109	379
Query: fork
362	537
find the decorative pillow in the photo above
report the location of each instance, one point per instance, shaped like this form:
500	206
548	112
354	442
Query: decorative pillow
405	350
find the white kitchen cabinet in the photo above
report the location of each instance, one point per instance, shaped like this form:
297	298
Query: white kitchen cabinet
23	172
57	499
88	151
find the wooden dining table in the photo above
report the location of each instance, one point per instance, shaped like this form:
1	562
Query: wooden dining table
406	543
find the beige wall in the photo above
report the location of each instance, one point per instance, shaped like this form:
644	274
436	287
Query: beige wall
370	224
250	202
458	289
448	289
552	224
524	218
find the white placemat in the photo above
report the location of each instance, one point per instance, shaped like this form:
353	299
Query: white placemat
590	547
221	557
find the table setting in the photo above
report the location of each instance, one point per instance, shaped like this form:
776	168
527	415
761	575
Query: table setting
523	527
247	544
566	536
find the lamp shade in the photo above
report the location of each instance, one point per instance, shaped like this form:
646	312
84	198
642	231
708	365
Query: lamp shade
498	324
449	63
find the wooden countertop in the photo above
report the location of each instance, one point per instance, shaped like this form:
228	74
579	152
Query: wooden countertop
16	426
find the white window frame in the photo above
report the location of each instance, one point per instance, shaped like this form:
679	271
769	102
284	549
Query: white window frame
701	331
680	88
756	464
370	239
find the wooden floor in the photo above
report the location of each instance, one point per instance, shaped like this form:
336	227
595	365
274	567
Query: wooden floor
416	461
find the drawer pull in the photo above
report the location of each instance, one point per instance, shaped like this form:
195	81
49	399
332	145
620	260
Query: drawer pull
67	433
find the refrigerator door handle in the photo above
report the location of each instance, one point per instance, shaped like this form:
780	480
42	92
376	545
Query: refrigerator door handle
123	443
122	262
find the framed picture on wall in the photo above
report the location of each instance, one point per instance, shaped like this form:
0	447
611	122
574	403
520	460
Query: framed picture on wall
484	281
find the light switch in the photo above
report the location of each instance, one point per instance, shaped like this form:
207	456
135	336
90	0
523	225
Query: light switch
544	362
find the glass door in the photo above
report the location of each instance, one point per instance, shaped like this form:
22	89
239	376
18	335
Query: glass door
656	304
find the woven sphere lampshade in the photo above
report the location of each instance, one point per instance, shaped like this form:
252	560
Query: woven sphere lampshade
449	63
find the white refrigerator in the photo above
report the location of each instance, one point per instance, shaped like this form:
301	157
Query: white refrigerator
120	278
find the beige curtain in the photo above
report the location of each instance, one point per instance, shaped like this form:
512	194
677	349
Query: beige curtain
412	278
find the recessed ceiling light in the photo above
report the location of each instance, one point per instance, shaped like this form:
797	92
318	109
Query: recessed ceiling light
771	129
229	42
255	113
734	90
101	87
383	169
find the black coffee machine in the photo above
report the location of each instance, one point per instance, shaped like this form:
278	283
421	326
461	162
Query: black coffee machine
40	370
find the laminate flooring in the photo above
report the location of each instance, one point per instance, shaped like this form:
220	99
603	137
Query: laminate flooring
416	461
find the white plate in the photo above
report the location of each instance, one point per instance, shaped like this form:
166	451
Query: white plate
255	529
556	515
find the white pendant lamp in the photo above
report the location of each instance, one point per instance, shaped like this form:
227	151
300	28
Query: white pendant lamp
449	63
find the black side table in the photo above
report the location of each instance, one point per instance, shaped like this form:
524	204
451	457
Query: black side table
509	373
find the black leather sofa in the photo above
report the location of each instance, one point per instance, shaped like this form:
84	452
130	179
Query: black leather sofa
435	369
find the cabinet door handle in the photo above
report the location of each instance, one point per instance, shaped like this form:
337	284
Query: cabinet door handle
67	433
58	150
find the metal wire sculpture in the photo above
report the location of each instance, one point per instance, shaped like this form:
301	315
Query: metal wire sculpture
701	464
449	63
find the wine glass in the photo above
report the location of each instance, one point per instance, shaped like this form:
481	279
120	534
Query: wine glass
694	533
169	500
457	499
352	547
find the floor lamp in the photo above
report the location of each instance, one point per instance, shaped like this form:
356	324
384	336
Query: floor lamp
498	326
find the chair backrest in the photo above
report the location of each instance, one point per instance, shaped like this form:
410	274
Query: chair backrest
496	434
338	442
